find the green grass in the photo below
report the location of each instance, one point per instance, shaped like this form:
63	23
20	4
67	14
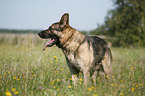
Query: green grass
26	70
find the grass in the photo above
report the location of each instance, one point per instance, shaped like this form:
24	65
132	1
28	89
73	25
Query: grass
26	70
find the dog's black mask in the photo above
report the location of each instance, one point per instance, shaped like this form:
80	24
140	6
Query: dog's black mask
48	34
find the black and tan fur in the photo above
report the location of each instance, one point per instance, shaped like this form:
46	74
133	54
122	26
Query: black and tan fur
87	54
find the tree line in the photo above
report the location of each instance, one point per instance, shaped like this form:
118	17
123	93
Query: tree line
18	31
125	24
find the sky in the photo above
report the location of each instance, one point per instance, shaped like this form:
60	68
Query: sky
40	14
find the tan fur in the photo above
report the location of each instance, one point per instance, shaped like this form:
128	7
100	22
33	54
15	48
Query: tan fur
71	38
106	62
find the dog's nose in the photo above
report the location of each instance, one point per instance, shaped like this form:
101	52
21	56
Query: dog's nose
39	33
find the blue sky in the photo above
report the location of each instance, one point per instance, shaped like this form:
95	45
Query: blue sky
40	14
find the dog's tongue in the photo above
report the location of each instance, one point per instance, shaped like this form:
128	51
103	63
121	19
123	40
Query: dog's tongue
49	42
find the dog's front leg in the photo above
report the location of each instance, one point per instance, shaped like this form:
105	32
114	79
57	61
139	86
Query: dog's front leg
74	78
86	73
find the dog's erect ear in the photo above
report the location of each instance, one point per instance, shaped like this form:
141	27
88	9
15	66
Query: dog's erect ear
64	20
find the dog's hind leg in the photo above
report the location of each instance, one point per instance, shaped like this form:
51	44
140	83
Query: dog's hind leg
107	62
94	76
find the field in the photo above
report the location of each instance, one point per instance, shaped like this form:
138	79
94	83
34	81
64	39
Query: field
26	70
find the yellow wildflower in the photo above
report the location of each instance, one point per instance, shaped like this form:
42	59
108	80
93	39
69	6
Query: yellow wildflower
121	94
58	80
52	83
141	84
132	89
81	79
8	93
121	80
13	89
33	74
137	85
16	92
112	84
55	57
94	95
75	75
61	68
52	68
80	82
107	77
71	79
8	72
93	87
18	79
131	67
4	73
90	89
0	77
69	86
14	78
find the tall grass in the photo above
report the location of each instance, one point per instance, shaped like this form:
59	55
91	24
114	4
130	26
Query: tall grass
26	70
29	40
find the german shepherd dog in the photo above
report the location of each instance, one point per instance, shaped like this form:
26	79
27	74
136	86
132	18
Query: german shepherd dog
87	54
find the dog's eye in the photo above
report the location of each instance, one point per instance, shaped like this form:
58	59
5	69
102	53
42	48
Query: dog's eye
50	28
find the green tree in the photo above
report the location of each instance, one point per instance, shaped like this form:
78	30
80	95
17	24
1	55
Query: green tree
125	23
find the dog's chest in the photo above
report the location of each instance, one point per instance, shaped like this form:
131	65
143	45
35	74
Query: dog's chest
74	61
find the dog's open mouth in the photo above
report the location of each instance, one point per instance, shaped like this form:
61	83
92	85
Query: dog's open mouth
50	43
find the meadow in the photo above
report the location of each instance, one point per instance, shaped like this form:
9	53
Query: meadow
27	70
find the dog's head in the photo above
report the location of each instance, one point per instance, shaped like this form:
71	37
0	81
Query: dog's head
54	32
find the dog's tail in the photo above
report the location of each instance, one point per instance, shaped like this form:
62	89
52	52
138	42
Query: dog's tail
107	62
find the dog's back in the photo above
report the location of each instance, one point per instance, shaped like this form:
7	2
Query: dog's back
99	47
